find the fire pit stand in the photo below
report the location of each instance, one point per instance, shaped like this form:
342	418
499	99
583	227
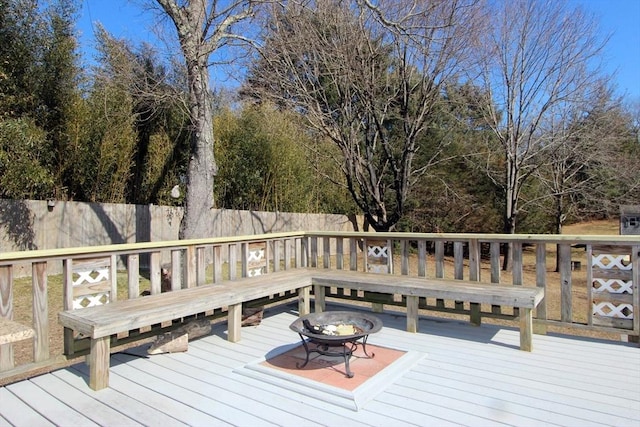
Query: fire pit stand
323	331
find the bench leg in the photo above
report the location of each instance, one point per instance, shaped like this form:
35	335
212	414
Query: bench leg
99	363
320	304
304	305
234	322
476	317
377	307
412	313
526	329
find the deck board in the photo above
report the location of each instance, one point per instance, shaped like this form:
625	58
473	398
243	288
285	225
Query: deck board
470	376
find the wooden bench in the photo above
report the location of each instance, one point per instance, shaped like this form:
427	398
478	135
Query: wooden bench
100	323
413	288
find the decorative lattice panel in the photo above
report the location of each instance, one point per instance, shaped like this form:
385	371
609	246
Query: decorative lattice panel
611	286
378	257
256	259
90	282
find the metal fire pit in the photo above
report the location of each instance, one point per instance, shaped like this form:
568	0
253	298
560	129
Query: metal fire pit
335	345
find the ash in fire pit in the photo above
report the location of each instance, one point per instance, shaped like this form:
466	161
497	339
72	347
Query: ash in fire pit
336	333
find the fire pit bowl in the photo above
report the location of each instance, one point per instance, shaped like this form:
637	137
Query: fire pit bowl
335	333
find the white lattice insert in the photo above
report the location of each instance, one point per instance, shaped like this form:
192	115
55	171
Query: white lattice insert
608	261
613	286
256	262
90	283
607	309
377	252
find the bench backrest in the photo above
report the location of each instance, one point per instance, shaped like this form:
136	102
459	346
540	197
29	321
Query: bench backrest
87	282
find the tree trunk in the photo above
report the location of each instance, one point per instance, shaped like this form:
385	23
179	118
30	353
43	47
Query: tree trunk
197	219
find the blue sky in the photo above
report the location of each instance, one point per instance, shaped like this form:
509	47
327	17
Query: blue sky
619	18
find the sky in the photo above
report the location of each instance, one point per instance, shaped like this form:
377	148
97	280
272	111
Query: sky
618	18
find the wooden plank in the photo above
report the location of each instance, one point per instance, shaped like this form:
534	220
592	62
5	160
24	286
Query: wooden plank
132	314
48	405
564	262
434	288
157	393
541	282
133	275
155	276
40	311
422	258
82	403
190	267
18	413
458	260
137	409
326	252
339	253
11	331
474	260
201	265
6	312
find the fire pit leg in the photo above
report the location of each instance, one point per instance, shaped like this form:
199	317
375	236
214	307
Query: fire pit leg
306	350
364	348
347	356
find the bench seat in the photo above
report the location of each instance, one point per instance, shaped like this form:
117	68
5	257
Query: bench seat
99	323
413	288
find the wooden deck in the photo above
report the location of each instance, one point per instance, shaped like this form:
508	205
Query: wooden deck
473	376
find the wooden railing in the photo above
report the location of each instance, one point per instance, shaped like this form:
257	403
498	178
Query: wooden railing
580	295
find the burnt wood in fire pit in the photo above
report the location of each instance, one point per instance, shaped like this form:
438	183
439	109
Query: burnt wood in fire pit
335	333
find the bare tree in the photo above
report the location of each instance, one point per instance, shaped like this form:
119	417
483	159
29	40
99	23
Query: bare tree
203	27
578	173
535	59
367	77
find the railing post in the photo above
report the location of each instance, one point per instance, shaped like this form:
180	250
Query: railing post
564	262
287	253
339	253
405	257
422	258
190	266
326	252
176	270
353	254
233	261
133	275
40	311
304	252
495	261
517	277
201	265
217	264
313	257
6	312
458	259
154	273
439	259
474	260
541	282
